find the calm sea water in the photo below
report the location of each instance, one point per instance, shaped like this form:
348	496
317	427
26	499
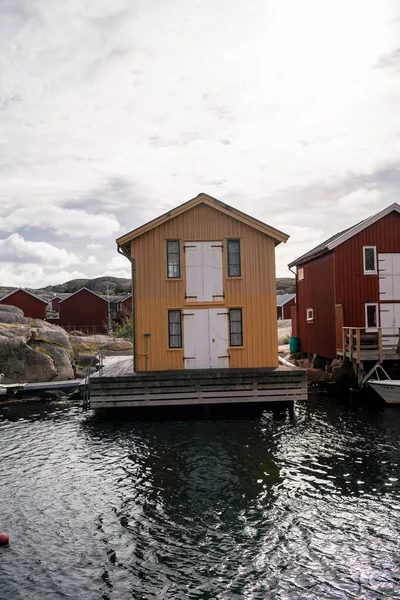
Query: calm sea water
278	506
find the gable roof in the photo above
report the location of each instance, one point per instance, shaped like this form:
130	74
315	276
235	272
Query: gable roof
346	234
78	292
26	292
282	299
202	198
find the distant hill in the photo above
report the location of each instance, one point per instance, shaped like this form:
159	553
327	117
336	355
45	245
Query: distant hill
100	285
117	286
286	285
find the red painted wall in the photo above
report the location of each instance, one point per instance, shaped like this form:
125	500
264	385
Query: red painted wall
126	305
32	307
316	291
84	311
285	311
353	288
55	304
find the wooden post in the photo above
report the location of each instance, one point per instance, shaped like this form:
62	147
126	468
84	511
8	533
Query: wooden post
351	344
344	333
358	345
380	350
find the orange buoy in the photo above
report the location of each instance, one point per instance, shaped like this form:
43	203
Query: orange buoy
4	539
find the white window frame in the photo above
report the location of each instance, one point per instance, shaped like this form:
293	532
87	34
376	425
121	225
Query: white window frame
300	274
309	315
375	271
375	328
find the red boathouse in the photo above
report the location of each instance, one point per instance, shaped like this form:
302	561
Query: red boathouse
348	292
85	311
32	306
284	303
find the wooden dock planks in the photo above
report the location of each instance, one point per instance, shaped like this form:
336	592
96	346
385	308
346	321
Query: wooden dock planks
214	386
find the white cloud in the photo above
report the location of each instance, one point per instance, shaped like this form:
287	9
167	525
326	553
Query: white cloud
360	201
274	105
118	266
34	276
15	249
61	221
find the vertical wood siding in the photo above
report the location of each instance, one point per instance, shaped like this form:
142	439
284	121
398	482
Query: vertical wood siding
33	308
254	291
316	291
353	288
85	311
287	309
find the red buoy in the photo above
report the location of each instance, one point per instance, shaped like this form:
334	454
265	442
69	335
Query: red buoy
4	539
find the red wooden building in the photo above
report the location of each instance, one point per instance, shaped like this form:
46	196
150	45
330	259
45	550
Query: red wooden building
32	306
284	303
348	291
85	311
125	306
54	303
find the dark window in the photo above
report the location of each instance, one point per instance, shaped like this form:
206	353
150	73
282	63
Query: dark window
235	327
173	259
370	260
234	258
174	329
372	315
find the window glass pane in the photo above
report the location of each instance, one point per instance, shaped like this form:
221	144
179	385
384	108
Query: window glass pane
235	327
173	270
236	339
173	259
175	341
234	258
234	271
369	259
173	247
371	316
235	315
174	329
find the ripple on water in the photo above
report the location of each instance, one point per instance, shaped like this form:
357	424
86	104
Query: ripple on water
270	507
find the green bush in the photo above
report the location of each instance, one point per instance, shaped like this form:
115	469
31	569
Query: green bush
124	329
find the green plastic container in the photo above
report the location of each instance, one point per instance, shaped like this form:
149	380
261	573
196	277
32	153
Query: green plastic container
294	344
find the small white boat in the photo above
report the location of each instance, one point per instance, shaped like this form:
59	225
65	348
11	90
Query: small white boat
388	389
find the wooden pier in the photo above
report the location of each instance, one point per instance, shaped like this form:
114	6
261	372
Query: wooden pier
198	386
359	344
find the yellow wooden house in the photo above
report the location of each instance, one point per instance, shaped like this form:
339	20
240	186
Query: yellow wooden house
204	291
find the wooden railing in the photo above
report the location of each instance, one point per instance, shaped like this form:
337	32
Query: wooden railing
360	344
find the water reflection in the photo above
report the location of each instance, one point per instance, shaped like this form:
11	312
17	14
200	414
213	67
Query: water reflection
268	507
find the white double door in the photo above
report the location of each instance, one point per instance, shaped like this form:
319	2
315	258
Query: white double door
390	323
389	289
206	338
204	271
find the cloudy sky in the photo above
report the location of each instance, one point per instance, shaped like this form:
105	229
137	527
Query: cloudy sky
113	112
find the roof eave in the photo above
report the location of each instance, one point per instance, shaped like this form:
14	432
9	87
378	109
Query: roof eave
302	261
277	235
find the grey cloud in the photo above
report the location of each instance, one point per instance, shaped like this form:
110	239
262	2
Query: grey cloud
8	101
112	21
314	205
13	16
390	60
118	195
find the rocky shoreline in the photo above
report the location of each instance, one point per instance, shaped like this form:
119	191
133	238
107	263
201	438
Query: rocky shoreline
35	351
